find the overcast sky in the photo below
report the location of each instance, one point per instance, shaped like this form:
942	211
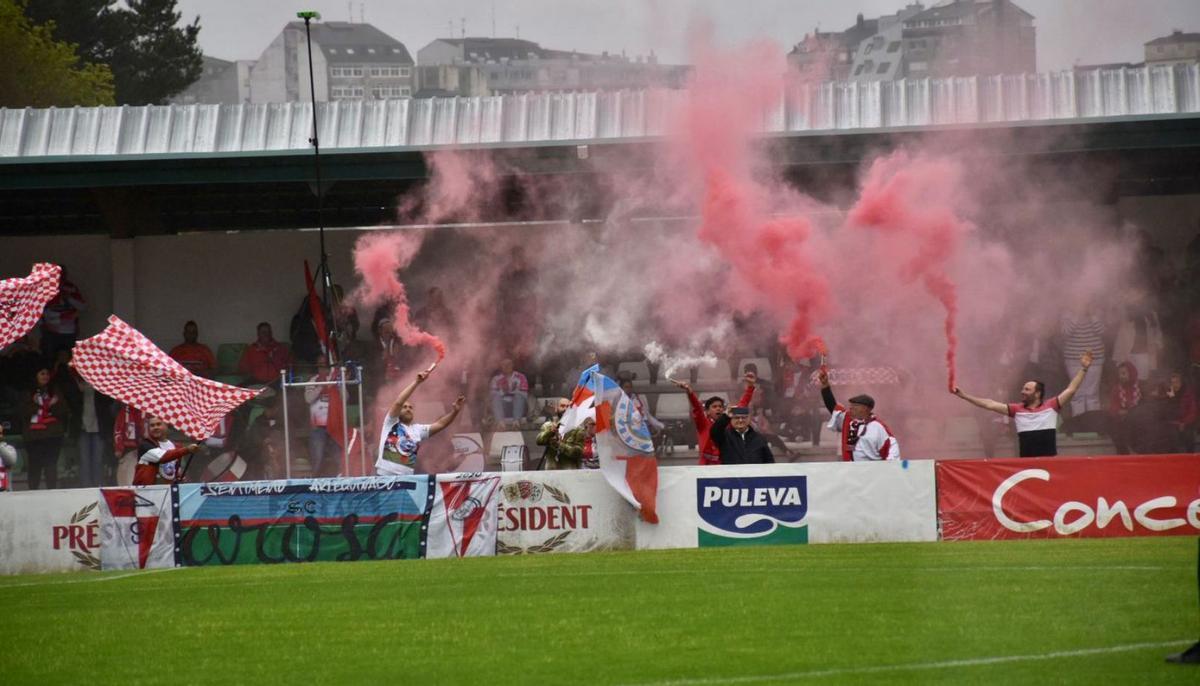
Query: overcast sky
1068	31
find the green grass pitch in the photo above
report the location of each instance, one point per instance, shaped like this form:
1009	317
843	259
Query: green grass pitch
1036	612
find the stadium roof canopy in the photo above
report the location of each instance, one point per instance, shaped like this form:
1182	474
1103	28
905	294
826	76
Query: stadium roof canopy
135	170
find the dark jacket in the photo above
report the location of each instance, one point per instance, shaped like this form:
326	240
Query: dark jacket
748	448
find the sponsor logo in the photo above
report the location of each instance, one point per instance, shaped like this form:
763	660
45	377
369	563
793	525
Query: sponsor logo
465	509
631	426
1073	517
80	536
761	510
530	506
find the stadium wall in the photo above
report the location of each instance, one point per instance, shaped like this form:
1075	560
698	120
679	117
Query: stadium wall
576	511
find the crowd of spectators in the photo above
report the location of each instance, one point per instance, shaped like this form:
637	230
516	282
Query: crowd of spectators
1143	399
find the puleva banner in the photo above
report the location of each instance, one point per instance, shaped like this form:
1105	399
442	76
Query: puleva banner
462	520
136	530
837	502
304	520
1143	495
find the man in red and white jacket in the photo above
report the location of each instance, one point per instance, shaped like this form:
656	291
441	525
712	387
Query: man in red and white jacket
863	436
704	415
158	456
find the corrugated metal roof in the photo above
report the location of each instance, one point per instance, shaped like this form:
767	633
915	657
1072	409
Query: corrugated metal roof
589	116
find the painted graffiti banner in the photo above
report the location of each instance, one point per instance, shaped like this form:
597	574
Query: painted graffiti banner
50	531
462	520
1143	495
562	512
304	520
831	502
136	529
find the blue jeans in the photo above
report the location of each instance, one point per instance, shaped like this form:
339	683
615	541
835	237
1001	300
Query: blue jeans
91	454
319	444
516	403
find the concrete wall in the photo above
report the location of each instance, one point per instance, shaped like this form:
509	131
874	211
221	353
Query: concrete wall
226	282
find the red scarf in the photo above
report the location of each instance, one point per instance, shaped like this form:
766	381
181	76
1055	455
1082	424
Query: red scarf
42	417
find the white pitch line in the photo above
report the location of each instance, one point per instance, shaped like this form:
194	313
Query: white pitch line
917	666
88	579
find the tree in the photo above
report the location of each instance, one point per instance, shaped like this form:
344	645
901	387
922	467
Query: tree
151	56
42	72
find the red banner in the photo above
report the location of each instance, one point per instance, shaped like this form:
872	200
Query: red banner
1060	497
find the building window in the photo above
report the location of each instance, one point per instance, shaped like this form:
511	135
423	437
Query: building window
893	46
859	69
883	68
349	51
405	72
375	71
396	51
405	92
371	50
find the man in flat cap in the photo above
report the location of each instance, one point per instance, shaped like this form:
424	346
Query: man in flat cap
737	441
864	436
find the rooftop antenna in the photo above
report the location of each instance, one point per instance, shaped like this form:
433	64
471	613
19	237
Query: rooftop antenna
463	25
323	269
362	12
493	18
518	30
350	12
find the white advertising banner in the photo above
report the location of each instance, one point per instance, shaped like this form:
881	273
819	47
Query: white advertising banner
49	531
462	521
562	512
136	527
826	502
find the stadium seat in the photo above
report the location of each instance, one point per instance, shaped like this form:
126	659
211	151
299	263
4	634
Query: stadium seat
228	355
716	376
641	369
763	364
470	446
672	406
503	438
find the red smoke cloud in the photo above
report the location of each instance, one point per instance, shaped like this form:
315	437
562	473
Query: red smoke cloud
378	259
908	202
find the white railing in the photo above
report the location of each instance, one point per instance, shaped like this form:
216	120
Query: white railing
590	116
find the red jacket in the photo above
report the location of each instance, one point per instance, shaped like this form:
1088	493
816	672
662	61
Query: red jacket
264	362
709	454
146	471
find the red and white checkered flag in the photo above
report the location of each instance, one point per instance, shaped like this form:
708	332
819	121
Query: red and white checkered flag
23	299
122	363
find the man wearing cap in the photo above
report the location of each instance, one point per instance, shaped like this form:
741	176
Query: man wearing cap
864	437
737	441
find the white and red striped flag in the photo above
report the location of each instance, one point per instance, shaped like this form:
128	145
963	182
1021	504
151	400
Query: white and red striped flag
122	363
23	299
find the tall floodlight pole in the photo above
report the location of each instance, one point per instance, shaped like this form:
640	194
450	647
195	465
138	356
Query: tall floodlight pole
323	269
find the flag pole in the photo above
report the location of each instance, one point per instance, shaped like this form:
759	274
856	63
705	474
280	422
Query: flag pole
323	268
